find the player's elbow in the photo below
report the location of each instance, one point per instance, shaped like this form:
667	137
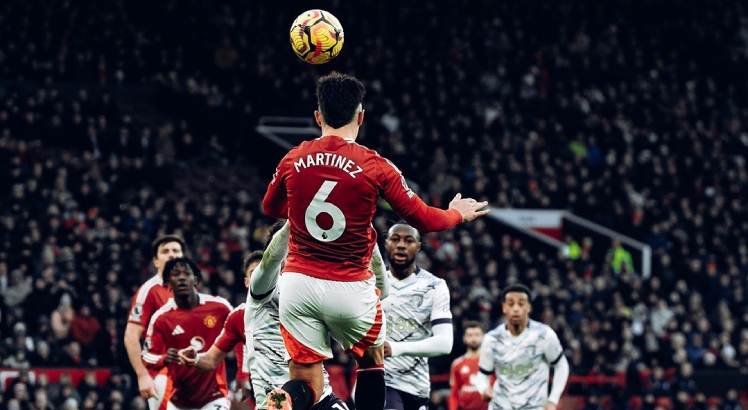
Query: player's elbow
132	335
444	345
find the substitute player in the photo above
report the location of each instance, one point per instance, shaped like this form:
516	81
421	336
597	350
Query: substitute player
521	352
419	322
463	393
147	300
232	337
328	189
188	319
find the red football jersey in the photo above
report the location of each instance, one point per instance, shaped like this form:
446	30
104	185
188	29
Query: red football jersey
199	327
464	395
328	189
150	296
232	337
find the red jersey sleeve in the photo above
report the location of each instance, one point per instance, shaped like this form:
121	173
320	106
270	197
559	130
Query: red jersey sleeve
275	202
408	205
233	331
142	307
155	346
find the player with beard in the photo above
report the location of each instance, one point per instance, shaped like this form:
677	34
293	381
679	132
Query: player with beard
419	322
520	352
464	395
187	319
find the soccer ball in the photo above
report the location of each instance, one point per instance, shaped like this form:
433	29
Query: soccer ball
316	36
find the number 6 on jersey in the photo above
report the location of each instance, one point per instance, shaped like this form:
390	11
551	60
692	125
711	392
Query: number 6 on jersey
319	206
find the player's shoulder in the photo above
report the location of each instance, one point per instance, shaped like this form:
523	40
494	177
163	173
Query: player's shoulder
147	287
496	333
215	300
541	328
162	313
429	279
238	310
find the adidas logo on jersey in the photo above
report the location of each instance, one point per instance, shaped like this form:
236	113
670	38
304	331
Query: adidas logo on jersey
177	331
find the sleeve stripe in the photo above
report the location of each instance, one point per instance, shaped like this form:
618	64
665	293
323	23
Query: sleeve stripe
446	320
261	296
151	358
560	355
486	372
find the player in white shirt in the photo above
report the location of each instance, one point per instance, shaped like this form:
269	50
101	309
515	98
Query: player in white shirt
419	322
521	352
268	358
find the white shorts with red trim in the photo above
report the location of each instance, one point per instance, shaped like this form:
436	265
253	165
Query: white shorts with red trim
313	309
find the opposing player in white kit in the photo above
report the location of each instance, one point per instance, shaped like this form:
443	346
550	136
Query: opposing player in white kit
268	359
419	322
520	352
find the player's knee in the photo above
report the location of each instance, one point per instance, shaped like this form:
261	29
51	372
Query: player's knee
373	357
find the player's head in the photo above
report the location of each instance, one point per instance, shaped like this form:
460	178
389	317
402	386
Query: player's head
165	248
402	244
473	335
250	263
181	275
340	100
516	304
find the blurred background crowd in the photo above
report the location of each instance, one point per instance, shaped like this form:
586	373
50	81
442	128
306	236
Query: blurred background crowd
123	120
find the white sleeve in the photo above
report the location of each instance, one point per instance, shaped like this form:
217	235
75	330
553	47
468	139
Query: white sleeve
485	364
265	276
440	312
438	344
552	351
560	375
376	266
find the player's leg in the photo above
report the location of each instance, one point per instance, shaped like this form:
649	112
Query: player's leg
394	401
306	339
330	402
353	313
160	384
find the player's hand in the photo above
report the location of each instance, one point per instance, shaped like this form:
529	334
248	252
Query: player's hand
469	208
172	356
488	394
549	406
146	387
387	349
188	356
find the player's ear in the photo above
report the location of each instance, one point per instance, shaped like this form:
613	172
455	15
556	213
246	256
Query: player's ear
360	117
318	118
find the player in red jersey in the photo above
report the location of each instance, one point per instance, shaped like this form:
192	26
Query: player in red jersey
188	319
328	189
232	337
464	395
150	297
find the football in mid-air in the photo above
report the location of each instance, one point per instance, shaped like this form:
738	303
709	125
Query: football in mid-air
316	36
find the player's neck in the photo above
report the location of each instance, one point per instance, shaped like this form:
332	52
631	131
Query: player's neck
187	302
347	132
402	273
472	352
516	330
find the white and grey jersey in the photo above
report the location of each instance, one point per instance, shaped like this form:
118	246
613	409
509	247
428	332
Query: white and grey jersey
414	305
521	364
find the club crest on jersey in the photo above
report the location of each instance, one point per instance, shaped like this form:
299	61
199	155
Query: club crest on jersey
210	321
197	343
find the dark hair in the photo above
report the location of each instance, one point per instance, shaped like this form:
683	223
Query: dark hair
251	257
338	96
166	239
172	263
275	227
470	324
516	288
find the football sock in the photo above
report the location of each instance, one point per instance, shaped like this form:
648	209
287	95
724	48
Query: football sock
302	395
370	389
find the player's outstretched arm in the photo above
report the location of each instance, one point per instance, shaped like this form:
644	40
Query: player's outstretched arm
275	201
438	344
376	266
265	276
560	376
207	361
412	208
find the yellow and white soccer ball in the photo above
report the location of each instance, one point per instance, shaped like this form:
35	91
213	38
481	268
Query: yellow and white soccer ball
316	36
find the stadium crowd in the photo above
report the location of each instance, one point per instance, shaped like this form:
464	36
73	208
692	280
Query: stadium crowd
628	114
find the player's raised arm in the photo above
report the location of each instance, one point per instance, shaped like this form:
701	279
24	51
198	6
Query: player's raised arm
412	208
376	266
275	202
265	276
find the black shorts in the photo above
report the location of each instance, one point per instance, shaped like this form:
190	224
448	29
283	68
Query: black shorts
399	400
